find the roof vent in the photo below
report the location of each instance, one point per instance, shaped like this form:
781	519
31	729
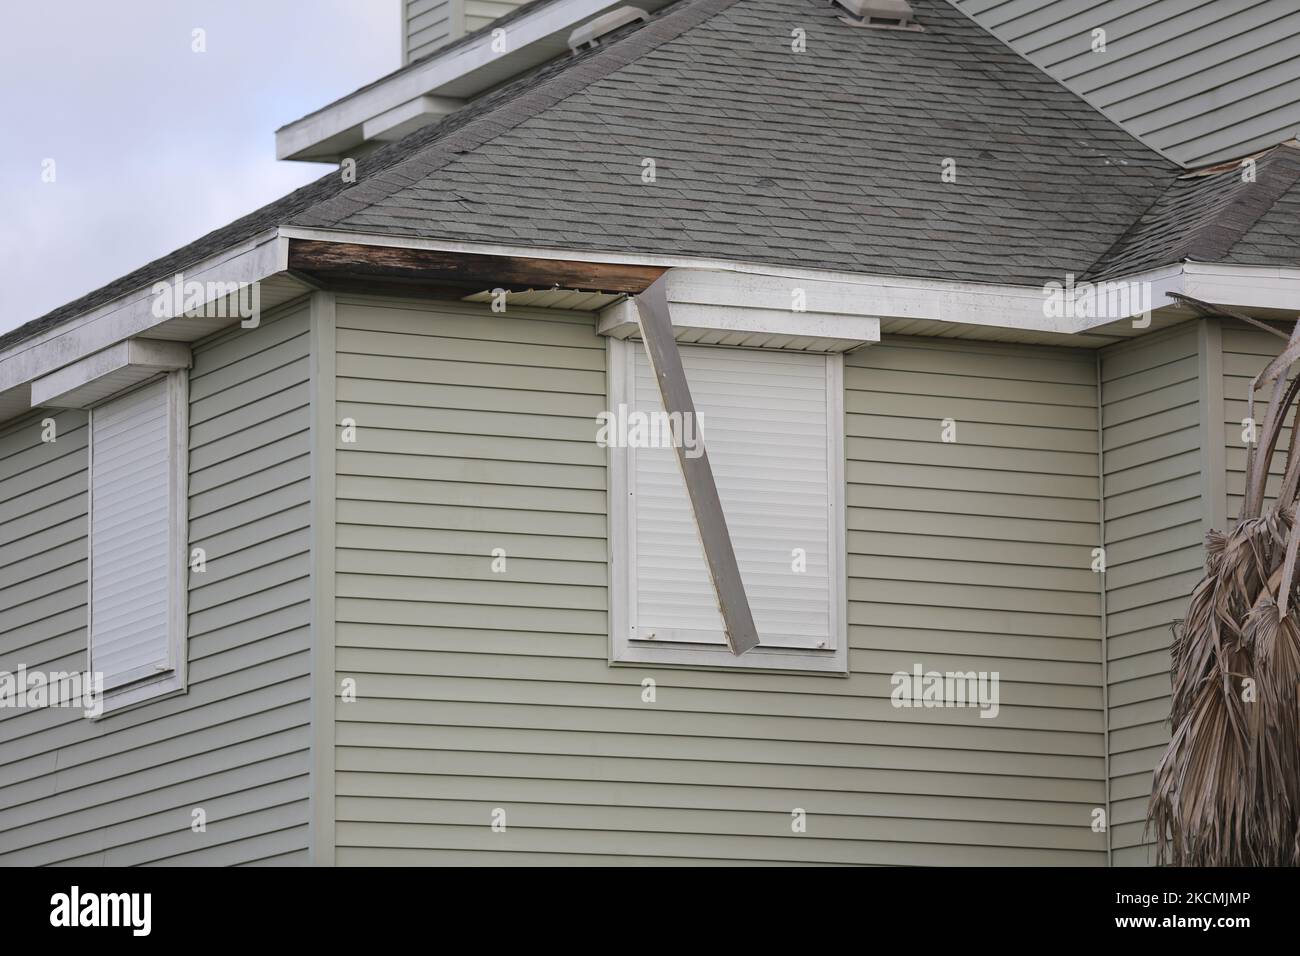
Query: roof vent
880	14
590	33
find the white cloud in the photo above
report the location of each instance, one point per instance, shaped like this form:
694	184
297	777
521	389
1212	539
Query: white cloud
154	144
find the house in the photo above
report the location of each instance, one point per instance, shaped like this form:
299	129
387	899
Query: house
320	496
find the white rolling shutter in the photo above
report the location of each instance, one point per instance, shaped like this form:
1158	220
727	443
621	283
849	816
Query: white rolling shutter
765	418
130	512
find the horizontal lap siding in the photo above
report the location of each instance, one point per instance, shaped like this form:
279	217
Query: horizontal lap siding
121	791
429	24
1245	353
478	690
1152	462
1202	80
974	555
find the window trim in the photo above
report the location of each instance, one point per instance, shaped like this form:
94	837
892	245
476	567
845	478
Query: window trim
175	679
622	544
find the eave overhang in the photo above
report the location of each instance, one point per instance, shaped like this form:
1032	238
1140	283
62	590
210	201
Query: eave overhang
107	372
839	310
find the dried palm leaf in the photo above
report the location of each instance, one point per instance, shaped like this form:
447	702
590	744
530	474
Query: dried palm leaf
1227	789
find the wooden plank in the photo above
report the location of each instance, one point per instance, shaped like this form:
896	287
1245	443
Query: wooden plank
666	362
352	264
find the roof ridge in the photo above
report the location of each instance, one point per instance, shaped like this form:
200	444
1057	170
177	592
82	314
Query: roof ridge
502	117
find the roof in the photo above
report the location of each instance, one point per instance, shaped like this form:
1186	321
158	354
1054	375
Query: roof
1218	215
829	158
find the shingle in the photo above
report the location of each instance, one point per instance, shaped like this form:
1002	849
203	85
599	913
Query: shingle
1218	215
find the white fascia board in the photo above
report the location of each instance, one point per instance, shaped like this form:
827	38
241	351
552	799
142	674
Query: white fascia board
909	297
842	294
901	297
104	373
1244	287
731	302
461	72
904	297
133	314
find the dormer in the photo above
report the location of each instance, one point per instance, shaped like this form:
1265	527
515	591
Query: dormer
454	52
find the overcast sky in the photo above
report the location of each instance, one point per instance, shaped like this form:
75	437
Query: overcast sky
154	144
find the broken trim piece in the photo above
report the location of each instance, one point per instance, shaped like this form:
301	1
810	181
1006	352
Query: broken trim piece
1212	311
712	307
710	522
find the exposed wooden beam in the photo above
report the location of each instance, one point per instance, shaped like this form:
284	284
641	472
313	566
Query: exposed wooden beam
719	555
404	288
355	262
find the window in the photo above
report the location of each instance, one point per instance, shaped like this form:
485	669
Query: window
137	541
772	423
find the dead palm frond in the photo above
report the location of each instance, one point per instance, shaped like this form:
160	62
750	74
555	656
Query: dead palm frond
1227	790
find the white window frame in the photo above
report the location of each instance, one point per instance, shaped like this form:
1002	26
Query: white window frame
174	679
623	649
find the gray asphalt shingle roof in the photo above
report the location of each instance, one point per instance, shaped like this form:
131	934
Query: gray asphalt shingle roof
828	158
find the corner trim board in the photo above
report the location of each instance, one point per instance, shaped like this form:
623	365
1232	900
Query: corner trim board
1214	485
322	365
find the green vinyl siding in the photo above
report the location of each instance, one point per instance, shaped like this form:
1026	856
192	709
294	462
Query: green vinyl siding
121	791
1246	351
974	555
1201	80
478	691
429	25
1151	419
